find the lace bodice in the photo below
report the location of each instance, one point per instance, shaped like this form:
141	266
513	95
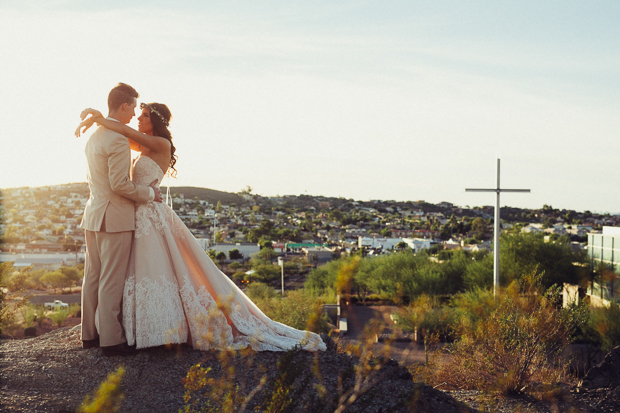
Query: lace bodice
145	171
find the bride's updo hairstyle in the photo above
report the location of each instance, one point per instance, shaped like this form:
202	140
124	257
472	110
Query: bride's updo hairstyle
160	119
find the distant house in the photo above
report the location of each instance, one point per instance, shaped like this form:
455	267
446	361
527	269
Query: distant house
418	244
533	228
319	255
378	242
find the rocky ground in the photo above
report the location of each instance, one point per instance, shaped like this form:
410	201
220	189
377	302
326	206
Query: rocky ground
52	373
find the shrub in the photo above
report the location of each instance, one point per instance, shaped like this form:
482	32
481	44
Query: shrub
427	316
59	316
40	315
29	314
108	396
259	291
56	279
297	309
519	341
75	310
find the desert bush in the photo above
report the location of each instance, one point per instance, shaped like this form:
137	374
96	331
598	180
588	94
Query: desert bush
297	308
259	291
29	314
74	310
19	281
518	341
426	315
404	276
265	273
56	279
8	310
601	327
40	315
206	393
59	316
108	396
73	274
35	278
606	322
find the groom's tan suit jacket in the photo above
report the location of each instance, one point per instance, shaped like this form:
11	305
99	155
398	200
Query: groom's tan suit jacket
112	193
109	219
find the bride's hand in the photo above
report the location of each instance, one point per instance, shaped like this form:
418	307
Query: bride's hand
84	126
87	122
88	111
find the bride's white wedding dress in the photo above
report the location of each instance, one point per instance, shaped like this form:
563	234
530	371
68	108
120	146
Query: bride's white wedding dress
174	293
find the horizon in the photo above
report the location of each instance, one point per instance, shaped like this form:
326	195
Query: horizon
466	206
360	99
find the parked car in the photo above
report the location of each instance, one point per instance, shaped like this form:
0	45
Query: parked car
56	304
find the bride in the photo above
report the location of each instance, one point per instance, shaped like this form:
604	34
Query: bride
173	292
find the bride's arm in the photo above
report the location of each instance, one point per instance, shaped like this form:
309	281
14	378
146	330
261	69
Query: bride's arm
154	143
136	138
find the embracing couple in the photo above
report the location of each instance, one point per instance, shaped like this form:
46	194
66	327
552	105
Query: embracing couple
147	281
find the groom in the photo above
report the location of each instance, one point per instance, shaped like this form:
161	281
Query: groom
109	222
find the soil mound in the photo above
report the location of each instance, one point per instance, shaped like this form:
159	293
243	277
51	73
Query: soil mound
52	373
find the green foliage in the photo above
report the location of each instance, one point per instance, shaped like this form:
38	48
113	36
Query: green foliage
40	315
56	279
528	252
108	396
59	316
298	309
426	315
205	393
234	254
8	310
73	274
403	276
74	310
29	314
280	393
601	327
505	344
267	254
259	291
264	272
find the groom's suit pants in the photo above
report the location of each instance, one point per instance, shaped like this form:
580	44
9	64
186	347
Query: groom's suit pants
107	259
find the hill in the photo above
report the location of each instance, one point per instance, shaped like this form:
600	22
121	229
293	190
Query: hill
210	195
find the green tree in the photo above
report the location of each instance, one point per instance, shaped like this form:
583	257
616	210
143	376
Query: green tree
218	207
234	254
480	226
221	257
56	279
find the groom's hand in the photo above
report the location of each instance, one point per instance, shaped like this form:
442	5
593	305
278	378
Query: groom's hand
157	191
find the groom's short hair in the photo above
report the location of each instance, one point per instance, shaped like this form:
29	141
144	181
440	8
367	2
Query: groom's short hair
121	93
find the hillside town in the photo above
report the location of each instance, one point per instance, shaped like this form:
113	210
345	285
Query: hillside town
46	220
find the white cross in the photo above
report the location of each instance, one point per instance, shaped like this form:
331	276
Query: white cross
496	223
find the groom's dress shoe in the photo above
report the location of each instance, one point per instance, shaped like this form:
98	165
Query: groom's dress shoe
90	343
119	350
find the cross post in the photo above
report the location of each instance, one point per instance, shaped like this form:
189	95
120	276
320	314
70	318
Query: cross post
496	226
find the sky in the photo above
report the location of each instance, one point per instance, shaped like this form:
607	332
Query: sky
393	100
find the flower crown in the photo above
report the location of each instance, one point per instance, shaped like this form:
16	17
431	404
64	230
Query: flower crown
155	111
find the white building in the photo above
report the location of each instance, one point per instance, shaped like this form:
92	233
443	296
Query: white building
418	244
